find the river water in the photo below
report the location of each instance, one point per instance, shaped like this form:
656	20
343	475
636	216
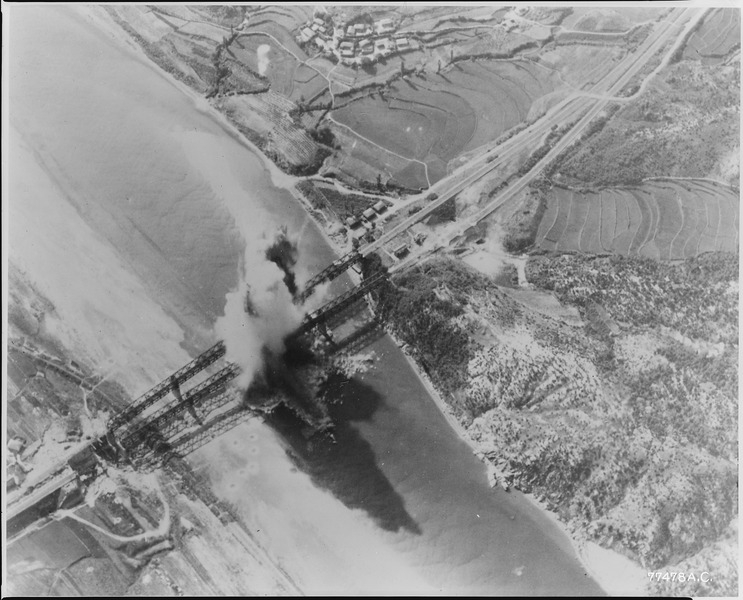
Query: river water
399	503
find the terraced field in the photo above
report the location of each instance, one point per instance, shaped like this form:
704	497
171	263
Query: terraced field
717	36
287	17
435	118
668	219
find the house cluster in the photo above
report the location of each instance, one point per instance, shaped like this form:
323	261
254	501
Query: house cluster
317	27
357	43
367	217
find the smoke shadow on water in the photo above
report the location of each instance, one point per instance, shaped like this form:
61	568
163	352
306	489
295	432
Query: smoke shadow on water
346	467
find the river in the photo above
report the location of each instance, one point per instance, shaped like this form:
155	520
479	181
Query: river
126	176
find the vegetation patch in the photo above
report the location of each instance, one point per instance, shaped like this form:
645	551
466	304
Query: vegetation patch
682	126
422	306
328	197
521	228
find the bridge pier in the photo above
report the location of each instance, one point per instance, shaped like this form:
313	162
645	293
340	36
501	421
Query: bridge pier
175	388
322	327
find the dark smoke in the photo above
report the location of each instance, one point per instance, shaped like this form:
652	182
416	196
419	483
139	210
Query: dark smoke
283	253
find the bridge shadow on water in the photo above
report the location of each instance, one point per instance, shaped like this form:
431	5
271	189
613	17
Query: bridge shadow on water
347	466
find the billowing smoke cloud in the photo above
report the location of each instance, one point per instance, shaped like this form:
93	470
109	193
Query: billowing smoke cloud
283	253
260	312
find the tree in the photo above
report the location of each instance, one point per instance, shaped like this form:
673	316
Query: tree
323	135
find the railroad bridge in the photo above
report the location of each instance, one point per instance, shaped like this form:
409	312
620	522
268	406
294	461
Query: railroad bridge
333	270
153	429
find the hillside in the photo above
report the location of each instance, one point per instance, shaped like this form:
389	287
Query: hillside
624	426
685	125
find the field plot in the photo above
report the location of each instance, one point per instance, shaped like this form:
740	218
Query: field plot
361	161
287	17
717	36
283	35
307	84
276	64
607	19
665	219
437	117
597	19
210	31
580	65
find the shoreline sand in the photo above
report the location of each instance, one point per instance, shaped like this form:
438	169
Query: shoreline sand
607	567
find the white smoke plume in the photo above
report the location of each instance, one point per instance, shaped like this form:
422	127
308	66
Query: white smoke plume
275	316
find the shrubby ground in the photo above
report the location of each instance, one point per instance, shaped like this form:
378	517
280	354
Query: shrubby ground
684	125
626	426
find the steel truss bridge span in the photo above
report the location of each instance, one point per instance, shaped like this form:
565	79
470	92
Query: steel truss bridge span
158	392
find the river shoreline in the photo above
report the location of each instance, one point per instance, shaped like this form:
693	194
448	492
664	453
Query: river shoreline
605	573
608	568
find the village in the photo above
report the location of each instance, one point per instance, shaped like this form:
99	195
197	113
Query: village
356	43
363	41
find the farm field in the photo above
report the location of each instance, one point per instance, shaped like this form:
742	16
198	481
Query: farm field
278	66
665	219
287	17
579	65
717	36
607	19
270	27
361	161
437	117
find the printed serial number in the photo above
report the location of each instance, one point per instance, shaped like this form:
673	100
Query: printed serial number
704	576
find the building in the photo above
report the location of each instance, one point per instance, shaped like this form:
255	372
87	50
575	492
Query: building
353	222
400	251
380	207
346	49
384	46
384	26
366	47
369	214
402	44
306	34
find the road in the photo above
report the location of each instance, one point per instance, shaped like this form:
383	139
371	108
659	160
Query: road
577	106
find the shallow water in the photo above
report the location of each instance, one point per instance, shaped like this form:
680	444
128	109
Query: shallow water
399	503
